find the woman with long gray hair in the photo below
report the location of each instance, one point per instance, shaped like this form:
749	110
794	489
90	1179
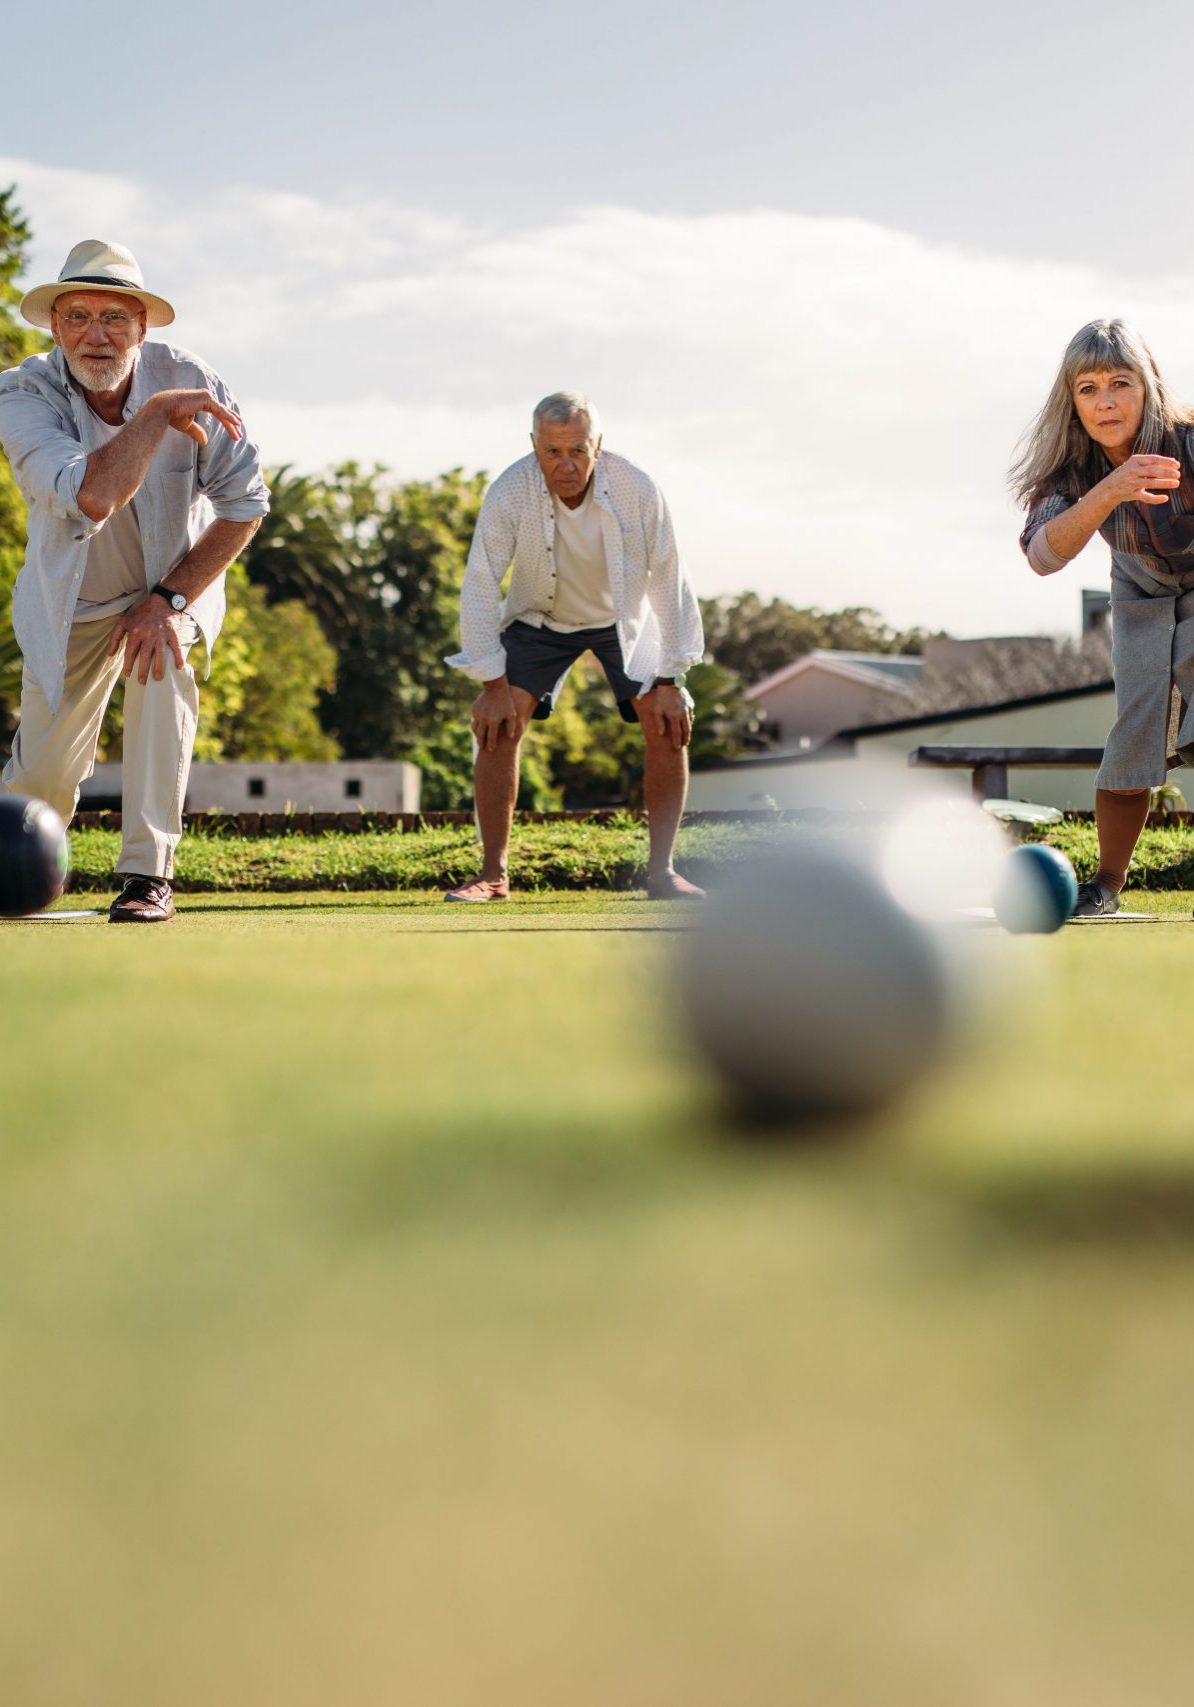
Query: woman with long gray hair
1112	453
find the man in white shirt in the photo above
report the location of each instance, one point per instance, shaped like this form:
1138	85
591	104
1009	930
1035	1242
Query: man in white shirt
135	512
594	563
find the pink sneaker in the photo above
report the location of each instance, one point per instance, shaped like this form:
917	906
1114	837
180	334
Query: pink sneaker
672	887
480	889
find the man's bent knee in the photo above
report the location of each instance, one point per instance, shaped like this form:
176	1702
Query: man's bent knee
41	781
660	741
61	796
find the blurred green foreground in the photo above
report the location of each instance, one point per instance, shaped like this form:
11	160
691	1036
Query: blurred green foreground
391	1312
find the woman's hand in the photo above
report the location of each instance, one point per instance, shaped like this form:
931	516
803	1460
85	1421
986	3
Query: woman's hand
1143	480
1139	480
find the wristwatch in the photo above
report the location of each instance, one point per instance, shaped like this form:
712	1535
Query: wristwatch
176	600
669	681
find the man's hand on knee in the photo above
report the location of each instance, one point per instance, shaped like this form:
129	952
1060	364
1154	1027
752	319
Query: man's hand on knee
666	713
148	632
494	710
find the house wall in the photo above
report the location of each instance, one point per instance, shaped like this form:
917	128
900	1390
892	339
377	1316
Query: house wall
817	703
1081	722
754	785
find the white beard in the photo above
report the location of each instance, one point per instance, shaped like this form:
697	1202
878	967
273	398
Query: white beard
108	375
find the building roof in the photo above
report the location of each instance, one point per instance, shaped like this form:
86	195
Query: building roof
884	670
963	714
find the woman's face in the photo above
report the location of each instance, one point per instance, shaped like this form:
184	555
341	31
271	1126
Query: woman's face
1111	407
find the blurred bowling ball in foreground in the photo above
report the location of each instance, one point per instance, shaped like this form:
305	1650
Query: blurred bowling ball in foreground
34	858
814	993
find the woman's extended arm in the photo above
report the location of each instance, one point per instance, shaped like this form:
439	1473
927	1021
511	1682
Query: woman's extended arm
1139	480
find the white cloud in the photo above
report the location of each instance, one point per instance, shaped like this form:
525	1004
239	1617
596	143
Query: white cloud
829	405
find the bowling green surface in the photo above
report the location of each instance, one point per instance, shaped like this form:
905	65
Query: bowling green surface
391	1310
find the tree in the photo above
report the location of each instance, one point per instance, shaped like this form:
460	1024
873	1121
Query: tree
16	342
16	339
315	543
380	565
396	690
270	667
754	639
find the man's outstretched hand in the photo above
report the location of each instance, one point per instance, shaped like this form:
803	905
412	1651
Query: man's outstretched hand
181	407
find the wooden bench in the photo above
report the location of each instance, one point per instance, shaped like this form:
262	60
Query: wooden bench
989	765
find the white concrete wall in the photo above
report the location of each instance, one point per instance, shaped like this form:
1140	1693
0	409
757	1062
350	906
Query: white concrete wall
1085	722
384	786
840	784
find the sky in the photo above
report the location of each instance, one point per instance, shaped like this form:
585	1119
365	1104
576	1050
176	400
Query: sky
816	265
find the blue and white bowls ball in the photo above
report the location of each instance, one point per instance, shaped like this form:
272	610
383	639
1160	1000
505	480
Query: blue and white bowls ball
1037	890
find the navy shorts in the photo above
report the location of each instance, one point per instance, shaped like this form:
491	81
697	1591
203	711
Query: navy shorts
538	661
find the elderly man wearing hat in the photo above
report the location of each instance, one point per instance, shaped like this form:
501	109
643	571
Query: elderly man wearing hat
142	488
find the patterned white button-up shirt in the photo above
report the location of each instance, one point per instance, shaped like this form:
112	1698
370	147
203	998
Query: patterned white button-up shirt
48	432
657	615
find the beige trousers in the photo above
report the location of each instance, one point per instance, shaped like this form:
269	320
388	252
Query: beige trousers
53	752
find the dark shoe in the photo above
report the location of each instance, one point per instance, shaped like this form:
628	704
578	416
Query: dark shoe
143	901
1094	903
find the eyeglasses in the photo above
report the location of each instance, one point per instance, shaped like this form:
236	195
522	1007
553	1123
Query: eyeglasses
111	319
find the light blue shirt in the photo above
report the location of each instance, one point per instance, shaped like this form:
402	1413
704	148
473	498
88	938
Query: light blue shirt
48	432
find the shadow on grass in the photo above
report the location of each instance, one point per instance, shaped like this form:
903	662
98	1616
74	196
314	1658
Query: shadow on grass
1145	1206
1123	1208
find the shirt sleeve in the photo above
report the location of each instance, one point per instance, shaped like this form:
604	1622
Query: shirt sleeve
230	469
1034	545
482	654
681	634
48	462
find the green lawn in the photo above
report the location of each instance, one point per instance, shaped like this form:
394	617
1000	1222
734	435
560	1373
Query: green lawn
391	1312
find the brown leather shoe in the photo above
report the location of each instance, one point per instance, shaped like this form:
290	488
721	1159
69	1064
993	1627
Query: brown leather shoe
143	901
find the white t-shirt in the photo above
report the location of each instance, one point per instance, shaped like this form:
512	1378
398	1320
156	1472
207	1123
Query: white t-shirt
583	598
114	576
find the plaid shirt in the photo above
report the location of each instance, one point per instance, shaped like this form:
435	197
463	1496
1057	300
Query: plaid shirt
1152	544
658	618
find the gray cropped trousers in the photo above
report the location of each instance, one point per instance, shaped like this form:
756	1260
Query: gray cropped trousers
1152	655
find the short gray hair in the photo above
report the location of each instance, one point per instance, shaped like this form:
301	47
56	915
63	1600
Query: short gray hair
565	406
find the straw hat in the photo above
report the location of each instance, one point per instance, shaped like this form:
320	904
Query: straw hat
95	265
